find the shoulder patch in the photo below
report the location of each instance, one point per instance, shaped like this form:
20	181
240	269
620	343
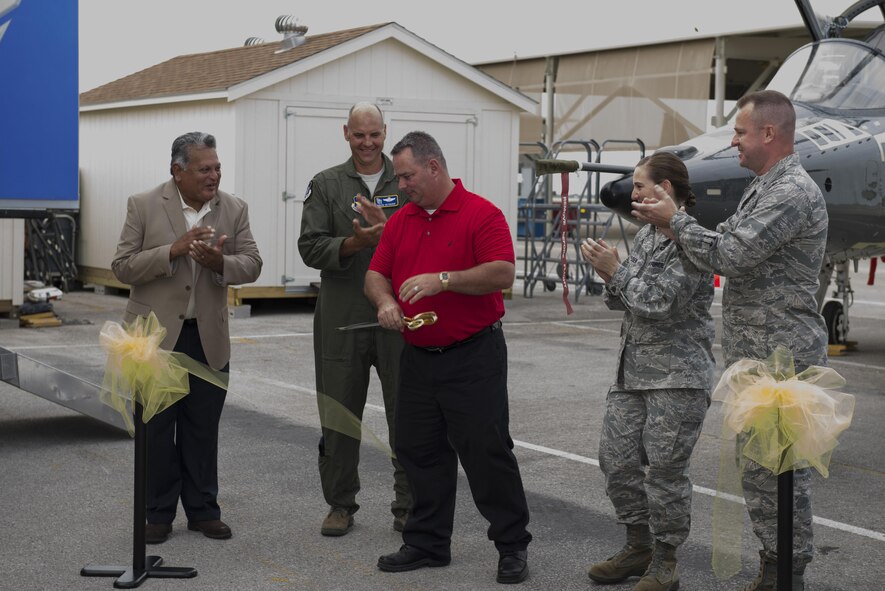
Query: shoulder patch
309	190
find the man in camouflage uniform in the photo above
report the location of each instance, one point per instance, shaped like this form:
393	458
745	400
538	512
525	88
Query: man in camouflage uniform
340	228
655	411
771	250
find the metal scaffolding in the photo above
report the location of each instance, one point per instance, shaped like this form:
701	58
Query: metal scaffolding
541	224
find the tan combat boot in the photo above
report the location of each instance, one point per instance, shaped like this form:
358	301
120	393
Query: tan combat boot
337	523
631	561
662	573
766	580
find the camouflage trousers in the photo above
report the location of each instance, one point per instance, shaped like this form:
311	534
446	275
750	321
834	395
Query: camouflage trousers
760	493
644	452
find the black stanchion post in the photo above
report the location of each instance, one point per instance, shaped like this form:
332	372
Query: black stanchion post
785	530
784	523
139	477
143	566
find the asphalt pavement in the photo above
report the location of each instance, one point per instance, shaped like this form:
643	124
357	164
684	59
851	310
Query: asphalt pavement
66	479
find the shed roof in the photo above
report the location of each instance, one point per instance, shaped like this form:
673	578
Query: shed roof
232	73
217	70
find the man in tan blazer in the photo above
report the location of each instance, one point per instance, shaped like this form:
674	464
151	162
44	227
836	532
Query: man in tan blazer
182	244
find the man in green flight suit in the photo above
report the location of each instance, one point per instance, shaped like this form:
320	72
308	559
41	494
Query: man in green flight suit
345	210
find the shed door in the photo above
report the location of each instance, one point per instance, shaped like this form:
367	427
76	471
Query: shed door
456	135
314	142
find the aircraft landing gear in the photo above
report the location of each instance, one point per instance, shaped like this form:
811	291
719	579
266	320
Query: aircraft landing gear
835	311
837	322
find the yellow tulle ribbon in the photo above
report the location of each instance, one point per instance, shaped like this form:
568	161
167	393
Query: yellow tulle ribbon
778	419
335	416
138	369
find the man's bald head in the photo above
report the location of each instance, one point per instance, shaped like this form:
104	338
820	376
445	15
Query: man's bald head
365	132
365	108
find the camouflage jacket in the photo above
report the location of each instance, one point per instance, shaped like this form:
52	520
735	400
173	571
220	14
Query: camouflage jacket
667	332
771	251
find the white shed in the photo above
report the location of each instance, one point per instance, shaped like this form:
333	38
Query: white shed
278	120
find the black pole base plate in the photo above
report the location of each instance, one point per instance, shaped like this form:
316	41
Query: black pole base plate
129	577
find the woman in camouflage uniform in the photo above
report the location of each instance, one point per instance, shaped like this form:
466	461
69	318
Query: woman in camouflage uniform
655	410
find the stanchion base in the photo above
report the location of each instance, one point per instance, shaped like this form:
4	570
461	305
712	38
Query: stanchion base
129	578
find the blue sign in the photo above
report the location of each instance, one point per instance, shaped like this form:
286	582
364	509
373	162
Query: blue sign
38	104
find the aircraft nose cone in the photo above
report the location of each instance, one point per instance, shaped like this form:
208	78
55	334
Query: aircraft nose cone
615	195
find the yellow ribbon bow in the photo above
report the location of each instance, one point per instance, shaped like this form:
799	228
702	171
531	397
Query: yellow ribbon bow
780	420
137	369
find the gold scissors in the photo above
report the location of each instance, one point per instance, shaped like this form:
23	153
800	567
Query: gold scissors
413	323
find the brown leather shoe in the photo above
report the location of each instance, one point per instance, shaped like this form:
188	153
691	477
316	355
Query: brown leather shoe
157	533
213	528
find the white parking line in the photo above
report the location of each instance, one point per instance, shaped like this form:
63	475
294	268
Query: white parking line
279	335
867	533
706	491
853	364
580	324
868	303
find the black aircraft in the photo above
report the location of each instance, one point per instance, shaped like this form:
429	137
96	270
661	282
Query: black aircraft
838	88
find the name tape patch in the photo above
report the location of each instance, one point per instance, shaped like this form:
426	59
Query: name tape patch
387	200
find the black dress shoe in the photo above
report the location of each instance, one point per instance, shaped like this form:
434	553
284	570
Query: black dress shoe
409	558
513	567
157	533
212	528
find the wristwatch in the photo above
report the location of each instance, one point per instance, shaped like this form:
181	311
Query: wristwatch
444	279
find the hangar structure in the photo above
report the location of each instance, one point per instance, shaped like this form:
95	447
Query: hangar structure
636	98
277	115
657	92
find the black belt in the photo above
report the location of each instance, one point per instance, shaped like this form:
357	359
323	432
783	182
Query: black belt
473	337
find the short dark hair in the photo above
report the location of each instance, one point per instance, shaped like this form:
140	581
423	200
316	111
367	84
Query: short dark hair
663	166
182	144
424	148
771	107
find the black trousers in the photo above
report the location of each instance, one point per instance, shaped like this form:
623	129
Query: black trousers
453	405
182	447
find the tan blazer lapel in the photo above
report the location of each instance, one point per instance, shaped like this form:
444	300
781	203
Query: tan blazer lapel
172	206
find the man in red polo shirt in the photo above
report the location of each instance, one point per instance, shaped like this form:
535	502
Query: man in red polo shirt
449	251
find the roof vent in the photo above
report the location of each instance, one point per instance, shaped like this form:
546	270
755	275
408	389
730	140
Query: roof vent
293	33
253	41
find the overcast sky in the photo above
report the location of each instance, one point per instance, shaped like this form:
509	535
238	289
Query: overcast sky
119	37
